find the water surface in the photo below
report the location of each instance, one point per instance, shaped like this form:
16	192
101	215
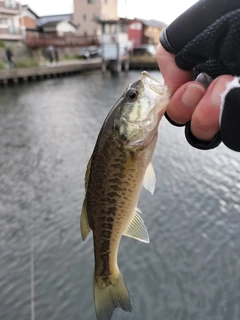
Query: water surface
190	269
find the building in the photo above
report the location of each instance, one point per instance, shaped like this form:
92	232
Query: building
56	30
59	25
28	18
36	28
10	28
145	31
88	12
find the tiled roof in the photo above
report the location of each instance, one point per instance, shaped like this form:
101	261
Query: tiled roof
53	19
153	23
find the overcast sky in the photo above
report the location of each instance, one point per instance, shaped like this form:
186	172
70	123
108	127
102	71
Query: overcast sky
163	10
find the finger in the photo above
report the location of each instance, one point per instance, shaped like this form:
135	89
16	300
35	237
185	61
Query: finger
205	118
173	76
230	116
184	101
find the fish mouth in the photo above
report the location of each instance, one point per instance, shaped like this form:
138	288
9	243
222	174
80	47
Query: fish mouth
159	92
151	83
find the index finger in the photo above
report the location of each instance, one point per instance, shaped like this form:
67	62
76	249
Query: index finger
173	76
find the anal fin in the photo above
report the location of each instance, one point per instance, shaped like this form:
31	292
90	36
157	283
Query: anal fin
137	229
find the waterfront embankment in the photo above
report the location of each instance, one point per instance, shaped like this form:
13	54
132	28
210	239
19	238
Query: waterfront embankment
48	70
62	68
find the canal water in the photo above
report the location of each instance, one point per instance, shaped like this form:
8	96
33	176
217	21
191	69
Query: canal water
191	268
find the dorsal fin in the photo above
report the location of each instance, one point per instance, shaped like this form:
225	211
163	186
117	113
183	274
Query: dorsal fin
88	172
84	225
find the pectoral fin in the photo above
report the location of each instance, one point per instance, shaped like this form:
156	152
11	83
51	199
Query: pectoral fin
84	225
137	229
149	179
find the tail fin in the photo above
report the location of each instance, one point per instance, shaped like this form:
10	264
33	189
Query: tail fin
110	294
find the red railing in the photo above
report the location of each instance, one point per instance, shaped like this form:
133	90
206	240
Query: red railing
65	41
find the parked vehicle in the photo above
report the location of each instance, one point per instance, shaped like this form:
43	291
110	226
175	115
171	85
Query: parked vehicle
144	49
89	52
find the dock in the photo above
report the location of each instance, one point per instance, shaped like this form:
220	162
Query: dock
48	70
62	68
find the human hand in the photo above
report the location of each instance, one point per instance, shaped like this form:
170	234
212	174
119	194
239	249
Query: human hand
191	100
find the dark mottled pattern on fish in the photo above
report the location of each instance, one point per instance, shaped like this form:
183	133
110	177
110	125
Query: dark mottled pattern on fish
108	197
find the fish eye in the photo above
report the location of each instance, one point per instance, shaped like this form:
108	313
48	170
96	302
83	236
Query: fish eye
132	95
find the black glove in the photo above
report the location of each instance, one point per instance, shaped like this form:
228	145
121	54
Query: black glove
207	37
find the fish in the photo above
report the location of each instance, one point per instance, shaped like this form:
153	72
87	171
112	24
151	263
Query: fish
118	168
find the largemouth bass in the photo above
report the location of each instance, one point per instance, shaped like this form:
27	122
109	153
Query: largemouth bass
119	166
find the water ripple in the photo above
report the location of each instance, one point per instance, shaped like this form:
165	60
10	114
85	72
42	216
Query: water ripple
190	269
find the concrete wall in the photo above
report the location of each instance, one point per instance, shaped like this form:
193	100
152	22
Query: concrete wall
84	14
21	52
85	11
109	10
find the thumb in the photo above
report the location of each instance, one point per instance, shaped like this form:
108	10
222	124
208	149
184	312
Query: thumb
173	76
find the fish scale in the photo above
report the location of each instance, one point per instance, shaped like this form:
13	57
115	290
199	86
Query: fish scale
119	196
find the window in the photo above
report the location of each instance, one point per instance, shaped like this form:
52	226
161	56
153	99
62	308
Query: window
3	21
135	26
95	17
113	29
7	3
11	27
14	4
10	23
10	4
90	1
84	17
